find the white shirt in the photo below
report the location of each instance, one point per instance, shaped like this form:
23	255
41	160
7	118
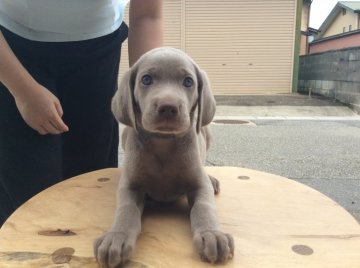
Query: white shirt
61	20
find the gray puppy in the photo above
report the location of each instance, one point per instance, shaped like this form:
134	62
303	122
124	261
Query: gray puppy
166	102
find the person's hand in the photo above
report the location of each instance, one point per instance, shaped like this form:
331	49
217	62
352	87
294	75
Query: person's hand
42	111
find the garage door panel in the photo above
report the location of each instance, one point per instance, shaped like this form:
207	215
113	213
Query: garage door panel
243	45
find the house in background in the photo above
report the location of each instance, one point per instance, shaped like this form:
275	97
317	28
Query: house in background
246	47
341	29
332	67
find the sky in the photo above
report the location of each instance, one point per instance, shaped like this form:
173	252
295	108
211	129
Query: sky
320	9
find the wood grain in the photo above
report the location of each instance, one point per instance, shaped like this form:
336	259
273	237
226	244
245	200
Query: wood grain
276	222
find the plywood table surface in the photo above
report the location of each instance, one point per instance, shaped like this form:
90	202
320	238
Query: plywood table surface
276	222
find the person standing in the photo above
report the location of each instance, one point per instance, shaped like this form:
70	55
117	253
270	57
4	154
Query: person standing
59	64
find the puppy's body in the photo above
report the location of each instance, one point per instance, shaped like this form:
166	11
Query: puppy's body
166	102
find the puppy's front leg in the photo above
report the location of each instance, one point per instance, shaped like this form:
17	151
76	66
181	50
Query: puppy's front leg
212	244
113	248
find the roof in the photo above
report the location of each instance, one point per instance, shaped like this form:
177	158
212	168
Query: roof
310	32
349	5
352	5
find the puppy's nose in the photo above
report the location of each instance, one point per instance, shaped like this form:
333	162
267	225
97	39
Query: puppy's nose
168	111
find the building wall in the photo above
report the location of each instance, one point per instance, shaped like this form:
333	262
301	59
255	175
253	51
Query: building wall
341	21
303	44
246	47
304	27
305	16
334	74
346	41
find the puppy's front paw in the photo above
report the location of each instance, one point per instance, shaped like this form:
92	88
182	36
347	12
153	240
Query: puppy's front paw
214	246
113	249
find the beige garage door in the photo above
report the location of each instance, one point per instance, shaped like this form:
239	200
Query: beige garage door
246	46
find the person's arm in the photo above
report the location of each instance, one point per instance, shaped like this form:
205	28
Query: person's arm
145	27
40	109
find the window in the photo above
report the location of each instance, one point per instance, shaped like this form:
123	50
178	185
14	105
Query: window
344	29
350	26
344	11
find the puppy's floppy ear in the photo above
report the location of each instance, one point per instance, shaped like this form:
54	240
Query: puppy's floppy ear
123	103
205	102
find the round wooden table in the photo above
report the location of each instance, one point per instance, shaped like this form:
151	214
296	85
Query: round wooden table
276	222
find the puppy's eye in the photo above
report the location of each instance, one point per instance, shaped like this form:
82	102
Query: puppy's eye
146	80
188	82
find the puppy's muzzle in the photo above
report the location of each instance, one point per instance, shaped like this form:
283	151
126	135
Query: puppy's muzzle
168	111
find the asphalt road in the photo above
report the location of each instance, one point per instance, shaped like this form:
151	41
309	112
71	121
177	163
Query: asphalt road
324	155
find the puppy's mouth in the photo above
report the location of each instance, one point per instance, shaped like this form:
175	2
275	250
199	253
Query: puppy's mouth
172	126
168	126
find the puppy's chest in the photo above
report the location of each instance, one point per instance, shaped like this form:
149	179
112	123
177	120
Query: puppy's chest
166	157
165	177
174	168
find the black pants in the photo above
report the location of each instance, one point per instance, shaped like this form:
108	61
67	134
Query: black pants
83	75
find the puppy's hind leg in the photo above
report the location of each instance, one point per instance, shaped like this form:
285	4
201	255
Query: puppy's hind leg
215	183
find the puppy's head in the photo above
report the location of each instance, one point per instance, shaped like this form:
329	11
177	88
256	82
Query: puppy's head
162	92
